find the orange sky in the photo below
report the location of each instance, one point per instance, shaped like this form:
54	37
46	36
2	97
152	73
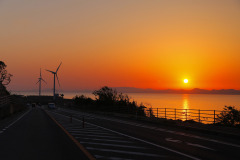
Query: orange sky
138	43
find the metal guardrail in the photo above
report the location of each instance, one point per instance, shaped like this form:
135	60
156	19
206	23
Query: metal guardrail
4	100
203	116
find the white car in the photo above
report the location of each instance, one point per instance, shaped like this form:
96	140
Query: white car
51	105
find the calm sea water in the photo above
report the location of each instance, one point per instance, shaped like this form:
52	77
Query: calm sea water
179	101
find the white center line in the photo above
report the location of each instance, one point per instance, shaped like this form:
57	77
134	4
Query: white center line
78	136
126	152
113	145
107	140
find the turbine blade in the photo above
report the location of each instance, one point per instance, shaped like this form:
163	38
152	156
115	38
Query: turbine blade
58	67
40	73
50	71
38	81
58	80
44	81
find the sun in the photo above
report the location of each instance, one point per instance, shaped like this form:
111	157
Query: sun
185	80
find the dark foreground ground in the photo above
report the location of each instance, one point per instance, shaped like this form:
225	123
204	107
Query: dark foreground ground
35	137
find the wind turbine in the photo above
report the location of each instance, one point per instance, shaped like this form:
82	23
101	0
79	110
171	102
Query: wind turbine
39	81
54	75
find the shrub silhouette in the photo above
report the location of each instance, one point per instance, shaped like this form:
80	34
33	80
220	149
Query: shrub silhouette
106	95
108	99
230	116
83	100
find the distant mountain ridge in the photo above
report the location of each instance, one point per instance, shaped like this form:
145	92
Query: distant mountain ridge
179	91
149	90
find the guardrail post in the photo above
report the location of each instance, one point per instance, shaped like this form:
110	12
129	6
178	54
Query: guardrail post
165	113
214	117
199	117
175	114
157	112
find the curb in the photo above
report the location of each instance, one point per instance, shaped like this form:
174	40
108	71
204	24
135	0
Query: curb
80	146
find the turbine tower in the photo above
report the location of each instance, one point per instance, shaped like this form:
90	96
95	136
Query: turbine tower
54	77
40	82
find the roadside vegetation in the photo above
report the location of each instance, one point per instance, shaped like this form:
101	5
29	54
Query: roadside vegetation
109	100
5	77
230	116
9	104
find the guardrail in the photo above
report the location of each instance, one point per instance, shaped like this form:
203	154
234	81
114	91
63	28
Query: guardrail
4	100
203	116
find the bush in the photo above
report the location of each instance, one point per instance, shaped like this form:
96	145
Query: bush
83	100
108	99
230	116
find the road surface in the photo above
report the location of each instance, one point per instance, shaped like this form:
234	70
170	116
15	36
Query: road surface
35	136
118	139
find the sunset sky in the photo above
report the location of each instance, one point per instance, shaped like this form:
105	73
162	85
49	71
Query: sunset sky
122	43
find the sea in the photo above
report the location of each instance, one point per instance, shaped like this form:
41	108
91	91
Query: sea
159	100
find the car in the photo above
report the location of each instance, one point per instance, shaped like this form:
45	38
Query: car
51	105
34	105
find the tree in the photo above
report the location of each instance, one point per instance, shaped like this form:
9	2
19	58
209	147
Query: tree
5	77
230	116
106	95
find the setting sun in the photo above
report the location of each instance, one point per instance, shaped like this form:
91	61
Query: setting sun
185	80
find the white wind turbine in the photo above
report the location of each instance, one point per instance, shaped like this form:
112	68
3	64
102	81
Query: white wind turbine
54	75
40	82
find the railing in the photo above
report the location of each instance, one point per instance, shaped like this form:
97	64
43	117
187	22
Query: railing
203	116
5	100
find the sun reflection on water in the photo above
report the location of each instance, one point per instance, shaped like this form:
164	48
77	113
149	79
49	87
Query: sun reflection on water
185	101
185	113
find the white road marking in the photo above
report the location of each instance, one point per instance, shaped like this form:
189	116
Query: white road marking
18	119
170	131
191	144
156	145
113	145
107	140
85	128
77	136
173	140
126	152
200	146
98	133
14	121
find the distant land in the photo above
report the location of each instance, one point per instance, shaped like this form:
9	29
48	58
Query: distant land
179	91
149	90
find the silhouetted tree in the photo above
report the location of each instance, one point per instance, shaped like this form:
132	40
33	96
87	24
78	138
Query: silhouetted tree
110	100
5	77
83	100
230	116
106	95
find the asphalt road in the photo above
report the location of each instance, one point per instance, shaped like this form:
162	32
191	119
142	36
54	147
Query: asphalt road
111	138
36	137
